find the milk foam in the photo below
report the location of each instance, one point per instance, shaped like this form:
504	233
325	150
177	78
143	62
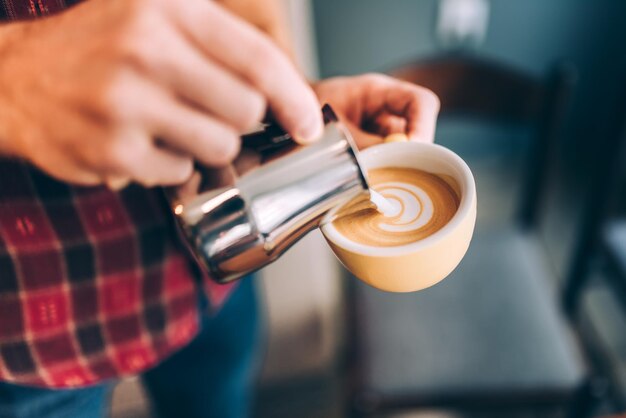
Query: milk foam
383	205
410	204
414	204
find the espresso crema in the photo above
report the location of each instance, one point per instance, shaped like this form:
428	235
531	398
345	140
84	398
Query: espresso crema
422	202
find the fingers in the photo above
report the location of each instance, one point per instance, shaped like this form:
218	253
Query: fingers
362	138
144	106
419	107
116	183
382	105
186	72
389	106
134	156
141	111
140	163
194	133
163	167
206	84
387	124
188	189
396	138
252	56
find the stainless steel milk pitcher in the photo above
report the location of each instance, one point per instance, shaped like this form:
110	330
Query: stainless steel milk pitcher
238	227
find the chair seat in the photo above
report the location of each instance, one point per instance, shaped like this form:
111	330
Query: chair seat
492	327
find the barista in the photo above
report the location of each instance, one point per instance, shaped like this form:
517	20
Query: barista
100	102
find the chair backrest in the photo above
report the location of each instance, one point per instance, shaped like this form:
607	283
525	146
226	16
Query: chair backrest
602	237
593	229
481	88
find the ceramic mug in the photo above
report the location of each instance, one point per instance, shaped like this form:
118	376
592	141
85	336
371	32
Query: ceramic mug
423	263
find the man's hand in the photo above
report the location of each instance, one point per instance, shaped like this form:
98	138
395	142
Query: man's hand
374	106
85	94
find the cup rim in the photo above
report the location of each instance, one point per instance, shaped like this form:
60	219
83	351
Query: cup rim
466	204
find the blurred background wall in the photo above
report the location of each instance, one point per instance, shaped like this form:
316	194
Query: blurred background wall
355	36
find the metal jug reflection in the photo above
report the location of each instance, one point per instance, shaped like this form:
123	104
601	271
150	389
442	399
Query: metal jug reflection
239	219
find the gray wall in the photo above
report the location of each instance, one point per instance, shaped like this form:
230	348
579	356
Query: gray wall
365	35
355	36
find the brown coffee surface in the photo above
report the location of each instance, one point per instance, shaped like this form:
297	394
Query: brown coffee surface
425	203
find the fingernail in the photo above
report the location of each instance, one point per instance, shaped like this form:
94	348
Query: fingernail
311	131
117	184
397	137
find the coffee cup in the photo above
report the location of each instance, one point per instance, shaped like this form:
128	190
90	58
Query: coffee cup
414	265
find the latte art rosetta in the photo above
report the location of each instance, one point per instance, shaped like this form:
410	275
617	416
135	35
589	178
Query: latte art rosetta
424	203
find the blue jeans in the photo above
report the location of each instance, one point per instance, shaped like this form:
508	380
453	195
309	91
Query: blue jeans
213	376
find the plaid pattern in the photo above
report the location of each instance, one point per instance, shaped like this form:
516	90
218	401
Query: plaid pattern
93	283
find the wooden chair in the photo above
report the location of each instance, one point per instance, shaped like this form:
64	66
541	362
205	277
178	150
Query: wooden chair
490	337
601	246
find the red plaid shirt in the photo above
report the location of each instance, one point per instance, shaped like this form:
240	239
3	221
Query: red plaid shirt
93	283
